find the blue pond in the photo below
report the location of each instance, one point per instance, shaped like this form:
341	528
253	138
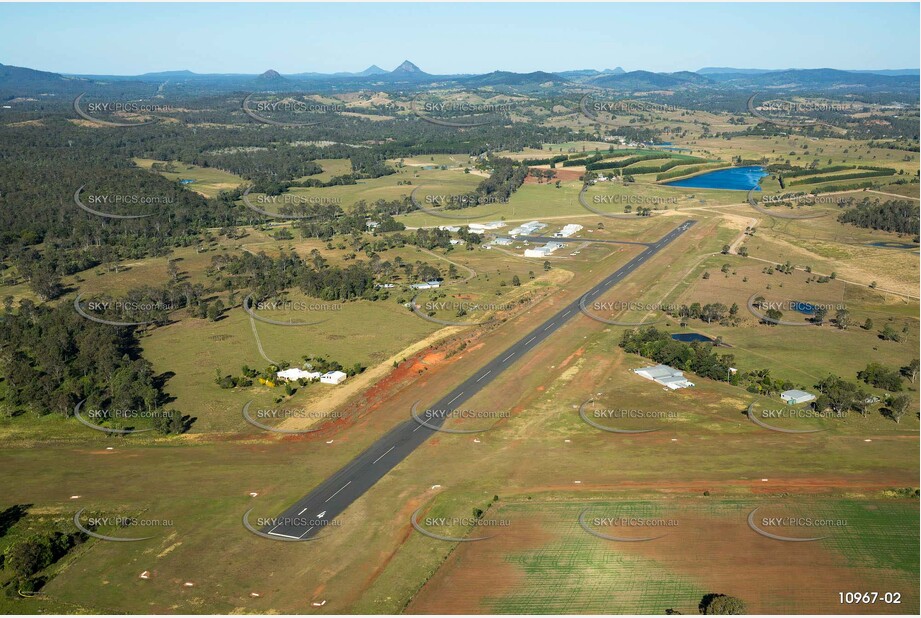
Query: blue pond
734	178
893	245
689	337
186	181
802	307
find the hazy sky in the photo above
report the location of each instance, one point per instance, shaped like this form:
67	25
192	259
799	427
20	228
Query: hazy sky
455	38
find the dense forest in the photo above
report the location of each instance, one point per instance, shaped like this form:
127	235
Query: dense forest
891	216
55	358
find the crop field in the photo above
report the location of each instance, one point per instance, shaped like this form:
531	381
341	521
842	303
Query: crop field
709	546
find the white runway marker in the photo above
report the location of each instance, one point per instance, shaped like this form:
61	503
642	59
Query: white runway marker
343	487
374	462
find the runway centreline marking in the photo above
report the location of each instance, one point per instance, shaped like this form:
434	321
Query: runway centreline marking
343	487
374	462
484	375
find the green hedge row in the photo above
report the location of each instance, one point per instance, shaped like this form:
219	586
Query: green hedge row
855	175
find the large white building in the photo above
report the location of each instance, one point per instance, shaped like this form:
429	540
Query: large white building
795	396
527	228
333	377
568	230
543	251
293	374
664	375
479	228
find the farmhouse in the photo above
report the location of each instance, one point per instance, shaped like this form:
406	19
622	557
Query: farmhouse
664	375
293	374
502	241
333	377
544	251
793	397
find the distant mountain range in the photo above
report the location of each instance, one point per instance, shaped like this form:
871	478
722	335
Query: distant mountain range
19	81
723	70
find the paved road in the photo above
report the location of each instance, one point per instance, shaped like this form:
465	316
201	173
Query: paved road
311	513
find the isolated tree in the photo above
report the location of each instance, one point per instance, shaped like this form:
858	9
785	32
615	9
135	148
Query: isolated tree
842	318
516	281
721	605
818	317
890	334
898	406
868	325
910	371
774	315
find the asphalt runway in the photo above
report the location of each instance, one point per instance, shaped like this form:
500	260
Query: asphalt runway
309	515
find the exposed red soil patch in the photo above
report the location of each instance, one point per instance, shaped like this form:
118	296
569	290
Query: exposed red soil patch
561	174
477	569
770	576
569	358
